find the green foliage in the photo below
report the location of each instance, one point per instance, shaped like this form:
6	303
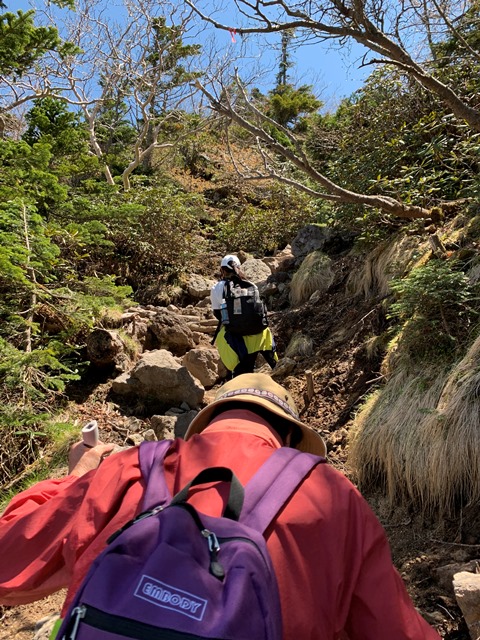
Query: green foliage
22	43
457	57
24	249
54	126
86	230
23	437
97	294
164	237
473	228
35	376
285	62
145	235
394	138
286	104
26	175
32	444
271	224
43	321
438	305
168	54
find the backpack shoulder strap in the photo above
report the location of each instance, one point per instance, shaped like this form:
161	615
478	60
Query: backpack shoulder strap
273	484
151	456
227	289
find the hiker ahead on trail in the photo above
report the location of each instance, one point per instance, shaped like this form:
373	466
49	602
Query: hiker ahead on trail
243	330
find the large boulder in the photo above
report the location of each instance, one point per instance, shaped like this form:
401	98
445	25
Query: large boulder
256	270
203	363
311	238
172	333
314	237
158	375
283	260
199	287
466	586
106	349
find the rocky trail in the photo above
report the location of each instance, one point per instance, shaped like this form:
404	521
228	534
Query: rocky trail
325	365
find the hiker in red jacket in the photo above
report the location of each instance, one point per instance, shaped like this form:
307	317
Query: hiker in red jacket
330	553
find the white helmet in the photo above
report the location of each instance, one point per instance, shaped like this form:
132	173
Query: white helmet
230	262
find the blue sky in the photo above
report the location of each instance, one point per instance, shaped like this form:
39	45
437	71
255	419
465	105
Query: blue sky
334	73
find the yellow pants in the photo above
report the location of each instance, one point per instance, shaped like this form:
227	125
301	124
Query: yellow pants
230	356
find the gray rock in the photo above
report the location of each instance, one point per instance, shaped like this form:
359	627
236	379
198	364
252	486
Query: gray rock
107	349
149	435
203	363
444	575
199	287
123	385
174	411
256	270
159	376
310	238
285	260
183	422
466	586
172	333
283	368
164	427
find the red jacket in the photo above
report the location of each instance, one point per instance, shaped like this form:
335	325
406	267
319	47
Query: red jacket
330	553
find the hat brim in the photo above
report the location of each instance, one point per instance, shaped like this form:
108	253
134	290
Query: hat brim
311	441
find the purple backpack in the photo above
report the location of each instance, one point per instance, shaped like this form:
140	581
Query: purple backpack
177	574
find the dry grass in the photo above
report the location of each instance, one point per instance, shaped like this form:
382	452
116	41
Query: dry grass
299	345
375	346
314	274
420	436
387	260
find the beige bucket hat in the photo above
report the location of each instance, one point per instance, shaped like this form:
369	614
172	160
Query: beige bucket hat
261	389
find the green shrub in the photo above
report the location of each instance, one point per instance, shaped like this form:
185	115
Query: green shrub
164	237
437	307
269	225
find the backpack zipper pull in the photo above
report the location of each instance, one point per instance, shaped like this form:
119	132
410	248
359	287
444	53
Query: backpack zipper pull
77	614
216	568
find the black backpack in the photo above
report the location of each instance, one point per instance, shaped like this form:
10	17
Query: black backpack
246	313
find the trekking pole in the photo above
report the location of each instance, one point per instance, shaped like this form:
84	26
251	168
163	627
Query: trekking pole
90	434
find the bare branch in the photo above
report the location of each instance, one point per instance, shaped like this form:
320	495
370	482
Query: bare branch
297	158
361	21
455	31
127	59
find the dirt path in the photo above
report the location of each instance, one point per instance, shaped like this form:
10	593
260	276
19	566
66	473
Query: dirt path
20	623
